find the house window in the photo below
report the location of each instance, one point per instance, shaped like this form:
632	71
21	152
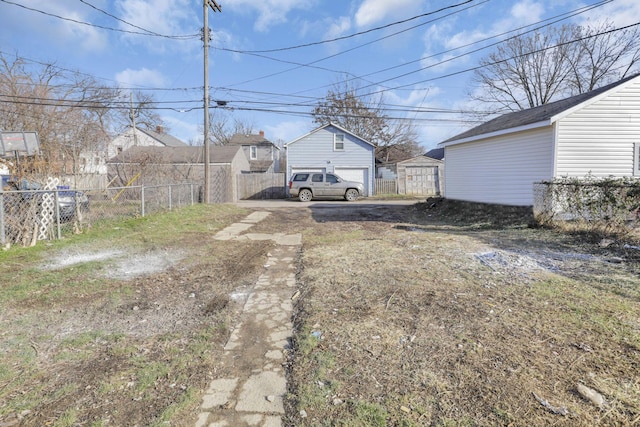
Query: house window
253	152
338	142
636	159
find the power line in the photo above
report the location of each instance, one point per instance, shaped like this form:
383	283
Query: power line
144	33
310	64
355	34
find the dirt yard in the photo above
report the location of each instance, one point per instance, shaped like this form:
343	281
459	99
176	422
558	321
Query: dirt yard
436	314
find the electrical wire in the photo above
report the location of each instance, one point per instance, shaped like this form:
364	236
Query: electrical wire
281	49
144	33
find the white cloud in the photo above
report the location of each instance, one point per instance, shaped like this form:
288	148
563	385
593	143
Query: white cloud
286	131
371	12
620	12
527	11
166	17
51	29
186	131
270	12
142	77
338	27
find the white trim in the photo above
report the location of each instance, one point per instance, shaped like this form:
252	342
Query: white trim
594	99
636	159
536	125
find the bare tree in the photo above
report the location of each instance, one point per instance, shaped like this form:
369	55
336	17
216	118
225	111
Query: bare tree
603	56
222	127
69	111
395	139
139	108
533	70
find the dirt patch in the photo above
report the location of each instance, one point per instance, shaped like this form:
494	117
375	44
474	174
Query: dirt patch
429	314
458	314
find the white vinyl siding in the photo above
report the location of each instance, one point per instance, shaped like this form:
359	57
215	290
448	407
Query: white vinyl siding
499	170
599	138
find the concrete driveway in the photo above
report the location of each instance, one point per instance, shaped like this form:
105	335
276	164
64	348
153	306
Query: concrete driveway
295	203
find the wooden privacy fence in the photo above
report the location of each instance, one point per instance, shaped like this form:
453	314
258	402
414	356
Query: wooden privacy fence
386	186
273	186
261	186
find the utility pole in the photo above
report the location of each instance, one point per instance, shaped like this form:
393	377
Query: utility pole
207	178
132	116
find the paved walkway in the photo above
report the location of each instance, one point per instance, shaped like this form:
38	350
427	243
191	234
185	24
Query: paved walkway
258	345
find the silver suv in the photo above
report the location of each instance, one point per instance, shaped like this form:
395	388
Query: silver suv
307	185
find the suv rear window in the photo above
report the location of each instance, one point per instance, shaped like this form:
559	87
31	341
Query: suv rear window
301	177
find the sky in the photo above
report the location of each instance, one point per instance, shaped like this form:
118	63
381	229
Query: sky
271	61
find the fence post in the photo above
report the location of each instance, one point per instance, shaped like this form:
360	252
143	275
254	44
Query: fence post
3	236
142	200
191	192
170	204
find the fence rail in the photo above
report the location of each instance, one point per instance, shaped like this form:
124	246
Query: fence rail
386	186
30	215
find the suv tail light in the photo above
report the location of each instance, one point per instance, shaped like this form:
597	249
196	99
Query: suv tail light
290	184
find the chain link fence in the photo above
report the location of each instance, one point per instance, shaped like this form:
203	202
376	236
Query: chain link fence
27	216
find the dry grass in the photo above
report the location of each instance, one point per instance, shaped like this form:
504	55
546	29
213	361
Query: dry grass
462	315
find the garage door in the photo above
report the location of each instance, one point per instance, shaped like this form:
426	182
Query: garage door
355	174
422	180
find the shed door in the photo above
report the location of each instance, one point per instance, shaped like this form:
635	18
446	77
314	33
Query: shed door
355	174
422	180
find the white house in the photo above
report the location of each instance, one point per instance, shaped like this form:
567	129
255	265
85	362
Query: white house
136	137
595	133
331	148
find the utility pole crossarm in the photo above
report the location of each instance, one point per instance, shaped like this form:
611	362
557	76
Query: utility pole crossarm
214	5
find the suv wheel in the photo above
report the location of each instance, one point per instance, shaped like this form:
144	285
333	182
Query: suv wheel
305	195
351	195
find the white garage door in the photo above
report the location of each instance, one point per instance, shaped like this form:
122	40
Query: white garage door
355	174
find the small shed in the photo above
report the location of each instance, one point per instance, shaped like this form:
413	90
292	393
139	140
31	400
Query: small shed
175	165
331	148
595	133
420	176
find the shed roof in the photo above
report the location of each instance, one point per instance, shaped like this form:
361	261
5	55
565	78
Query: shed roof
163	138
542	115
435	153
250	139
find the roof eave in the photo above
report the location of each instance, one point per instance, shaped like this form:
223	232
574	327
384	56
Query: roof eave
541	124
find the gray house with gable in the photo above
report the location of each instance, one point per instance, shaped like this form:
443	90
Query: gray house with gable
331	148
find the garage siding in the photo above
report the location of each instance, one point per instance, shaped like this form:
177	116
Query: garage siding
499	170
599	139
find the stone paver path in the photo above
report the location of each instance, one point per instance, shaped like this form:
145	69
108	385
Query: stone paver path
258	345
